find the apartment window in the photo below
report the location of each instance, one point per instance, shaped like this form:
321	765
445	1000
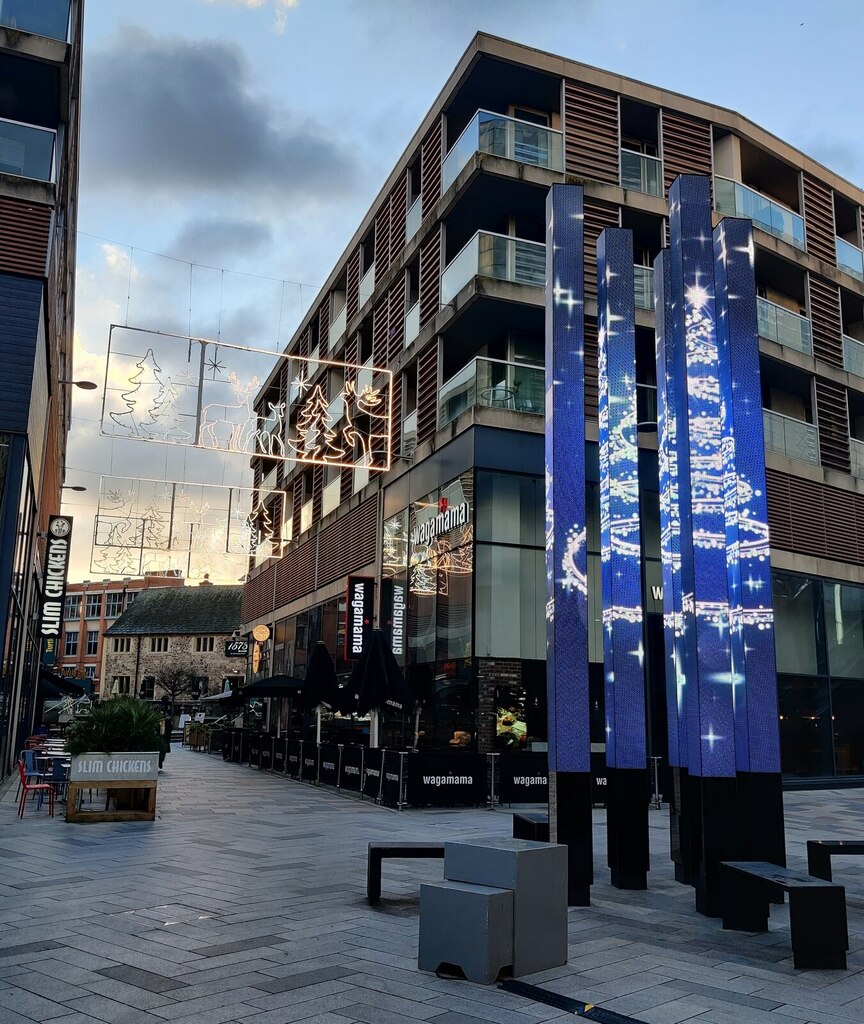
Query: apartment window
130	597
89	671
72	607
205	644
122	644
148	687
93	608
68	670
159	645
113	605
120	685
414	182
71	648
92	642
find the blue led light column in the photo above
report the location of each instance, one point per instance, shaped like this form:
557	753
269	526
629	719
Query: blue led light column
748	560
621	564
566	556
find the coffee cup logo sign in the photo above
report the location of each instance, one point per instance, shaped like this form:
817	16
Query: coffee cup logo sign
57	549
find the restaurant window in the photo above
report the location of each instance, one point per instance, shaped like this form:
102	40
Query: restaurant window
148	688
205	644
797	605
511	600
130	597
510	508
72	606
113	605
71	648
159	644
89	671
122	644
93	607
92	642
805	725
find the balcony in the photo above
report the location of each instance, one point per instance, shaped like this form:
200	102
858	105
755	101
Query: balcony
367	286
641	173
506	137
643	285
414	218
495	385
409	434
26	151
499	256
776	323
737	200
41	17
330	495
853	356
268	483
790	437
856	453
412	323
850	258
337	328
305	515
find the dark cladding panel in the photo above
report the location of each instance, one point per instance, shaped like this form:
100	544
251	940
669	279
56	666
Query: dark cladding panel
398	212
597	217
396	415
317	492
379	333
352	289
686	146
427	392
826	321
591	388
591	133
20	309
832	418
348	544
819	219
258	596
430	276
396	321
430	167
382	240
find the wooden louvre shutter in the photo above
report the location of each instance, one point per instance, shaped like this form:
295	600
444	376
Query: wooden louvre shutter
431	157
427	392
317	492
809	518
347	544
597	217
380	327
297	504
323	323
779	509
346	484
396	320
430	276
591	133
591	382
25	231
819	219
396	418
686	146
826	321
382	241
398	212
832	417
353	285
303	344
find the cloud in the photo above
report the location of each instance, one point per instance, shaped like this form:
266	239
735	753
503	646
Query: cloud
170	115
281	9
218	239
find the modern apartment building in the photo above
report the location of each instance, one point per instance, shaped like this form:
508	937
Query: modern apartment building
40	72
443	284
90	608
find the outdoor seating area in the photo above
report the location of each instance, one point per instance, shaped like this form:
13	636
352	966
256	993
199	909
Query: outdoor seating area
43	769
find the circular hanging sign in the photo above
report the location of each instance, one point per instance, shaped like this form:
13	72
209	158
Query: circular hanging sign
60	527
261	633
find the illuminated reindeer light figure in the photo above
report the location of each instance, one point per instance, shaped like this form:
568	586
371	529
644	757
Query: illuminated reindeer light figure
222	426
268	437
374	443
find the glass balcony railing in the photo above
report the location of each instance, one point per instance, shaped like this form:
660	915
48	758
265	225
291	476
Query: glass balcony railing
850	258
26	151
330	496
365	376
412	323
641	173
494	384
367	286
268	482
737	200
414	218
499	256
643	285
793	438
776	323
504	136
41	17
853	356
856	453
337	328
305	515
409	433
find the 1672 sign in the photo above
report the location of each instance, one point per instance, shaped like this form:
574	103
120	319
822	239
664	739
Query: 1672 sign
237	648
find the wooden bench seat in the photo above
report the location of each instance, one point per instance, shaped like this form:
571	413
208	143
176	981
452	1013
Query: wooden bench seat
820	852
378	851
817	909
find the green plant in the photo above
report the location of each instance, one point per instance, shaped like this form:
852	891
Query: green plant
124	723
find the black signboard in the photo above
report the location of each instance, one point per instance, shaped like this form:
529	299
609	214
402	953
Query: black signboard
254	751
372	766
266	761
444	779
394	607
57	546
523	779
328	764
237	647
279	760
309	762
598	779
359	612
351	770
293	751
391	788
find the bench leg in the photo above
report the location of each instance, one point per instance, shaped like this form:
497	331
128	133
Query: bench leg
820	938
745	902
818	862
373	877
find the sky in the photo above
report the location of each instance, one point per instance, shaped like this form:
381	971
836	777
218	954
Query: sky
230	148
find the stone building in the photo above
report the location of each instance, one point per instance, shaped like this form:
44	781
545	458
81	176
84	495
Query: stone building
183	628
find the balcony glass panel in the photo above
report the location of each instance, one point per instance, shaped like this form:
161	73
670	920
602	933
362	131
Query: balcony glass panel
856	452
793	438
779	324
414	218
737	200
26	150
361	477
506	137
367	286
365	376
494	384
268	481
337	327
498	256
305	515
330	496
643	284
641	173
646	405
41	17
853	356
850	258
409	433
412	323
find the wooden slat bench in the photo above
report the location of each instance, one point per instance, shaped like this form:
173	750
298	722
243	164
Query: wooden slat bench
377	853
817	909
820	852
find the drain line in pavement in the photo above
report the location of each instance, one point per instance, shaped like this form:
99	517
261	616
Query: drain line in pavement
588	1011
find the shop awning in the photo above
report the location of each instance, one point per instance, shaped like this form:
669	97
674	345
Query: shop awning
273	686
52	685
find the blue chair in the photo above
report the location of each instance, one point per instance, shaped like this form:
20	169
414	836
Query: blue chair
59	778
31	771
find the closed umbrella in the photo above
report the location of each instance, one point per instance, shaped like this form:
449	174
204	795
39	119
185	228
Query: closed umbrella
321	686
378	681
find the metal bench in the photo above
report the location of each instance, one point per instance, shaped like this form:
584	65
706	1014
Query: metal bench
820	852
817	909
531	825
377	853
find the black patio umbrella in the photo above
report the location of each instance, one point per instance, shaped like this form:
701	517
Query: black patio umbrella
273	686
321	686
378	681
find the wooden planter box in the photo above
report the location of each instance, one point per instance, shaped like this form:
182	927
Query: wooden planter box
128	770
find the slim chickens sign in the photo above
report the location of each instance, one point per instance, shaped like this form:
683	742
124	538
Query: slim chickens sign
54	585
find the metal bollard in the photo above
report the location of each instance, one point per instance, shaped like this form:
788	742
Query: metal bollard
655	801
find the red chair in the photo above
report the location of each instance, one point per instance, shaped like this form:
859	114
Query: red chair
33	787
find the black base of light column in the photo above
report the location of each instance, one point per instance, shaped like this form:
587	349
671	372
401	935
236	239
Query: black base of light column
762	832
679	826
627	827
570	823
718	830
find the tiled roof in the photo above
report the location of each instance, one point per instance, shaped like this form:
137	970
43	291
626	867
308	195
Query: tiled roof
181	610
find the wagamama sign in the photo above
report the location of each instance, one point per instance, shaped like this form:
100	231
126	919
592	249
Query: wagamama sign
447	519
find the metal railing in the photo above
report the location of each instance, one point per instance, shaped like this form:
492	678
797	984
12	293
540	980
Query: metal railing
641	173
793	438
850	258
494	384
26	150
853	356
737	200
499	256
643	286
776	323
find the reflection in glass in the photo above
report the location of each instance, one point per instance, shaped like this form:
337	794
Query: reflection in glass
795	600
510	508
511	598
805	725
844	627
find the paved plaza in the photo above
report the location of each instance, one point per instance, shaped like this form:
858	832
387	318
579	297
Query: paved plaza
245	902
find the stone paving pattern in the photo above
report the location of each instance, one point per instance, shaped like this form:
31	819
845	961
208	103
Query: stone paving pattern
245	902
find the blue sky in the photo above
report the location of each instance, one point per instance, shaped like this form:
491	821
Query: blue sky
252	135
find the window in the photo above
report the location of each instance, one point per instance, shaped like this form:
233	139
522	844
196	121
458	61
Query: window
89	671
120	685
92	642
93	607
159	644
71	643
130	597
113	605
122	644
68	670
72	608
205	644
148	687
